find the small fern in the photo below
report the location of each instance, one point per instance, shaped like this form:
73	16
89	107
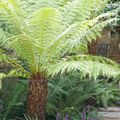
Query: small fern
17	96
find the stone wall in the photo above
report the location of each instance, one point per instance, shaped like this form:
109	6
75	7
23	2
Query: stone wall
107	45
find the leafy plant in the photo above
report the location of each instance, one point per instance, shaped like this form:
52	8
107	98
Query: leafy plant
66	94
107	93
86	114
69	92
49	38
14	95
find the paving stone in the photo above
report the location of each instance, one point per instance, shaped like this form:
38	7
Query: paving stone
110	109
111	113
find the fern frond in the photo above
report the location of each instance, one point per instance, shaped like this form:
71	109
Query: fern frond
23	47
18	92
19	73
45	20
80	10
93	58
87	66
47	25
18	69
45	34
12	14
77	36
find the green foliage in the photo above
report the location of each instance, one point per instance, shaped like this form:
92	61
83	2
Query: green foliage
47	31
87	113
69	93
86	64
27	117
51	38
15	63
113	6
14	95
107	93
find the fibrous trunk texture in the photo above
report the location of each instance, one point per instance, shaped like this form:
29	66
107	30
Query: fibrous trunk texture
38	90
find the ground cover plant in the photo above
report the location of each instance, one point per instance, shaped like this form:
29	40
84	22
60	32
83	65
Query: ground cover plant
67	94
52	38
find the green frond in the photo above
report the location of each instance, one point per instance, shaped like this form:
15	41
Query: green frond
12	14
44	34
77	36
18	70
16	97
87	65
24	48
18	73
46	23
36	4
93	58
80	10
43	26
95	31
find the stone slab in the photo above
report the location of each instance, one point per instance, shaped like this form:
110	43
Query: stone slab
110	109
109	115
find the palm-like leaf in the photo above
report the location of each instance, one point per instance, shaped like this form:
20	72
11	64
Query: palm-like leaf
18	69
87	65
43	36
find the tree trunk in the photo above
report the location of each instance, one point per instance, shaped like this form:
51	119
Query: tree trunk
38	90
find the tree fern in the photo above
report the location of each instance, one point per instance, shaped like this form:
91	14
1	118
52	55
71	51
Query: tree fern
46	33
42	31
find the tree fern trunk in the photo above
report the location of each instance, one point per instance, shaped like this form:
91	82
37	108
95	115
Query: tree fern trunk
38	90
